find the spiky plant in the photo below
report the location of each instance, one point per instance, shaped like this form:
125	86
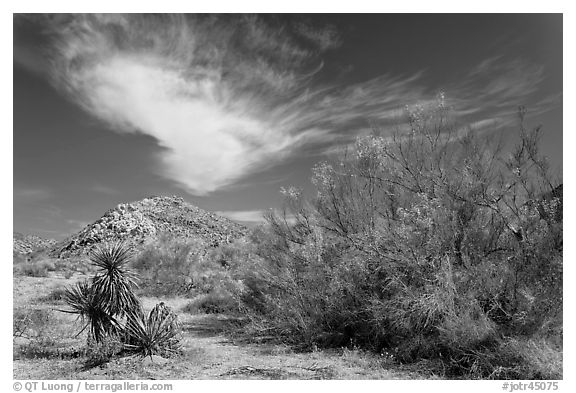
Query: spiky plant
114	282
83	301
156	335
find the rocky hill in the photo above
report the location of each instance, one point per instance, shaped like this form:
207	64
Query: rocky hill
148	218
27	244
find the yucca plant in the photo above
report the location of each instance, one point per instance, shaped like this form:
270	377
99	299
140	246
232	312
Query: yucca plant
83	301
156	335
114	282
109	296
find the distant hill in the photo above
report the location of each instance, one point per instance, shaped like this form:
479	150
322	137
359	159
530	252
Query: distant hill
27	244
148	218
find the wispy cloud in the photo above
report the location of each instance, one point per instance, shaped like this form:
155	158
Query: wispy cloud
76	225
102	189
255	216
243	215
227	96
207	88
32	194
51	211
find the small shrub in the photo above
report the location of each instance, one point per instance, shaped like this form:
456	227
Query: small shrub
46	348
212	303
35	269
38	348
18	258
39	335
166	266
101	352
20	323
57	295
37	255
176	267
540	358
30	323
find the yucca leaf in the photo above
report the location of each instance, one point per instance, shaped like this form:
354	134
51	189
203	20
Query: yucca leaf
114	282
156	334
83	301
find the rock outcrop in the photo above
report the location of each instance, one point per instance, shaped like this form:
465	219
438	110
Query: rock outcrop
27	244
148	218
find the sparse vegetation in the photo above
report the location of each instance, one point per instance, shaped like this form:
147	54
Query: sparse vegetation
57	295
212	303
166	266
177	267
101	352
39	268
30	323
112	312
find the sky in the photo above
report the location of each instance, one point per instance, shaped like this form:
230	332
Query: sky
224	110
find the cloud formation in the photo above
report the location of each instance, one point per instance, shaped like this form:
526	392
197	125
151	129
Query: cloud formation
32	194
103	189
206	88
226	96
253	216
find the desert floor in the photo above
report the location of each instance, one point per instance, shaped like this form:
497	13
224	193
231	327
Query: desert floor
52	349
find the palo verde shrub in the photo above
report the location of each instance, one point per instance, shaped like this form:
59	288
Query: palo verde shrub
432	243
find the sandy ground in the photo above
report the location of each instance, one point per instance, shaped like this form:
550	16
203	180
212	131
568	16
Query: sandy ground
208	351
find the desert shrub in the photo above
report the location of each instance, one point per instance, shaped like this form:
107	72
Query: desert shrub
71	265
212	303
157	334
56	295
432	243
34	269
166	266
509	358
98	353
39	336
20	322
37	255
18	258
30	323
179	267
541	359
